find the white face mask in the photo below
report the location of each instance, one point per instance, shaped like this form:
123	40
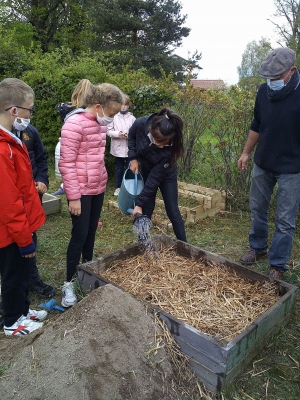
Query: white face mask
20	126
105	120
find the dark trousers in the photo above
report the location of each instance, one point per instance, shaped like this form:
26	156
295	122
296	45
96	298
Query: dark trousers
15	271
120	164
169	191
34	272
83	234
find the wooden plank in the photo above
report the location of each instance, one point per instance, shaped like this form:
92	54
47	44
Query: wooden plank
112	205
51	204
198	189
194	338
212	381
256	335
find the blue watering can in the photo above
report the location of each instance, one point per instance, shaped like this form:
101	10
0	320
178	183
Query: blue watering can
131	187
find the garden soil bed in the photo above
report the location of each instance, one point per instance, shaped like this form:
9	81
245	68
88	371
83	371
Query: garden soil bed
108	346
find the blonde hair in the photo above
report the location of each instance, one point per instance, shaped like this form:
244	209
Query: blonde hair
127	101
15	92
80	92
105	94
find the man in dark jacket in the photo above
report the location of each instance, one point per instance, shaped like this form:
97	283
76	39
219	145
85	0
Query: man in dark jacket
38	159
275	130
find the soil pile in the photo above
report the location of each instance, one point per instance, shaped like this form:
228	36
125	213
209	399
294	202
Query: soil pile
103	348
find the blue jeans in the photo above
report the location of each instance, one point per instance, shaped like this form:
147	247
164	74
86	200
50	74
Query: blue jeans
288	198
169	191
120	164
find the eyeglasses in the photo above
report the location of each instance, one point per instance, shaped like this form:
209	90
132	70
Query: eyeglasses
31	110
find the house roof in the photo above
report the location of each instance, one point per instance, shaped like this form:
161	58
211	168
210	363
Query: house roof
208	83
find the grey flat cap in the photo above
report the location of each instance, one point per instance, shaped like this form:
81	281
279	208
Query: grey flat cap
277	62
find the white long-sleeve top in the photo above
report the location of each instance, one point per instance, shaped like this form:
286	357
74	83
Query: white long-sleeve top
121	123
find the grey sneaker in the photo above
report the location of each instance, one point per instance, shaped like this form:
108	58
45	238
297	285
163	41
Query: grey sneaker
69	297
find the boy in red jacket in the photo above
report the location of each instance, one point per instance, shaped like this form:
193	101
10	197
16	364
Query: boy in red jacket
21	212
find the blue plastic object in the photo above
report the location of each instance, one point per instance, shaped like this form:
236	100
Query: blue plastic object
51	305
131	187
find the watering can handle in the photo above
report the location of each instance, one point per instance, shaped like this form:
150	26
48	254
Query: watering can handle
135	184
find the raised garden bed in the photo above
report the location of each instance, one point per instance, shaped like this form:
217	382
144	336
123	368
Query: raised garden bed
216	362
51	204
195	203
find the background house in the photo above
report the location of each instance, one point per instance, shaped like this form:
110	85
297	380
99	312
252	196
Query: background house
204	84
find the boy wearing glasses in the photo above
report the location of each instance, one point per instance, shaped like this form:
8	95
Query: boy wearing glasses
21	212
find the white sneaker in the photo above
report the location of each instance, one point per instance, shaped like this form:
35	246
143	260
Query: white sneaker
34	315
21	327
117	191
69	297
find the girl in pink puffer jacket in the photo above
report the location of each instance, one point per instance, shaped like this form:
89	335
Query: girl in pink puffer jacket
82	167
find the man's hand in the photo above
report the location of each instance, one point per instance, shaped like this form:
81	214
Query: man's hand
242	162
75	207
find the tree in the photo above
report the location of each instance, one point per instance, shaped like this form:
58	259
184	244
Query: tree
290	32
252	57
150	30
55	22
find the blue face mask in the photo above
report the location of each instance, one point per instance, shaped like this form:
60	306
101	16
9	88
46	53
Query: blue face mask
275	85
279	83
124	111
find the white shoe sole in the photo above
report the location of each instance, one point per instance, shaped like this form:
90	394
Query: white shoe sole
66	305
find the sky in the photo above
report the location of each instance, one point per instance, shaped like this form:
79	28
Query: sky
221	30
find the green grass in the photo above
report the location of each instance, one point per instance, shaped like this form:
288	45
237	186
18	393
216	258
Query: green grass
275	373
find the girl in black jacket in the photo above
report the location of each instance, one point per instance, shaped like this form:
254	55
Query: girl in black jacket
156	143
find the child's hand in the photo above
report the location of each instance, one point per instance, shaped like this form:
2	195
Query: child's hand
134	166
30	255
137	210
75	207
41	187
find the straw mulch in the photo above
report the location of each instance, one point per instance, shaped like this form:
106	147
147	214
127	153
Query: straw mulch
201	293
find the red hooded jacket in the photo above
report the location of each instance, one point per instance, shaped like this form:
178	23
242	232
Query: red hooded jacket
21	212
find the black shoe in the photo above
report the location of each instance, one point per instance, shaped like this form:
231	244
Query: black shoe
42	289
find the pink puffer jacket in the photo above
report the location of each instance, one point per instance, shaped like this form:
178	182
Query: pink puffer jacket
81	162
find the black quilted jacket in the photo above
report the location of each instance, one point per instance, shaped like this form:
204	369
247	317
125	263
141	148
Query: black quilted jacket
154	161
37	154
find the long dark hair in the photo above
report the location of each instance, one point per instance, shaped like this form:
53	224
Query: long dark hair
168	125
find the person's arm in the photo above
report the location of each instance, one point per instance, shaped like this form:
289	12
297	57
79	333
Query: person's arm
252	141
14	217
132	133
71	136
113	132
40	155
